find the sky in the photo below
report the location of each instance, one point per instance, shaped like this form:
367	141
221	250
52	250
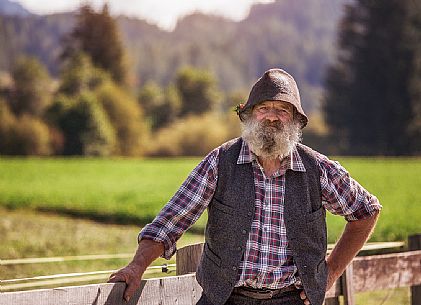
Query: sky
161	12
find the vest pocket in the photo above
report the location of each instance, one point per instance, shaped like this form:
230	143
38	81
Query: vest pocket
222	207
211	255
316	229
318	214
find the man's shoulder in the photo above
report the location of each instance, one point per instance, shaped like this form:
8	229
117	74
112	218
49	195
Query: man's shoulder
311	155
215	155
321	160
304	149
230	144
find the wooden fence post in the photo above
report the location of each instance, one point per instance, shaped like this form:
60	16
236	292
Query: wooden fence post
332	301
337	290
414	243
347	285
346	288
188	258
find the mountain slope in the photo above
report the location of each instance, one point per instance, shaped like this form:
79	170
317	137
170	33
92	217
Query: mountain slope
12	8
298	35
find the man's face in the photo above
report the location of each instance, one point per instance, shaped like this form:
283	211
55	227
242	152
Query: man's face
274	111
270	130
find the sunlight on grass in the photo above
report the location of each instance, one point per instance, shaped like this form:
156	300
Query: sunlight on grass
130	191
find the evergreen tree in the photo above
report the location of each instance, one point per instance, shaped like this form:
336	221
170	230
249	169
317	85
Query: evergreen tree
85	125
79	75
369	103
97	35
415	84
32	87
161	106
197	90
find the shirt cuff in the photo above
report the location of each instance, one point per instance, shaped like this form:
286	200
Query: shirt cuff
158	235
366	210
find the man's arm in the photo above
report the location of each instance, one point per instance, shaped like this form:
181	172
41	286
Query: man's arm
356	233
159	237
147	252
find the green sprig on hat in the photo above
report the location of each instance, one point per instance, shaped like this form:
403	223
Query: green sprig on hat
238	108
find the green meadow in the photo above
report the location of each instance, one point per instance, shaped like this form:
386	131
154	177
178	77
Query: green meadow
132	191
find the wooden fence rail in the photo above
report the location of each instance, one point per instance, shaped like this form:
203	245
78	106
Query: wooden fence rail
366	273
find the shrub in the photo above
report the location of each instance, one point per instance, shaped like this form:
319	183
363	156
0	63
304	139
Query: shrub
30	136
84	124
191	136
7	122
32	87
126	117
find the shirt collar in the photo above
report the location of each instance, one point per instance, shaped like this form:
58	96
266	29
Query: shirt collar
293	161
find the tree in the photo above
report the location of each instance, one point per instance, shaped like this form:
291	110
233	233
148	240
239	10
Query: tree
197	90
85	125
415	84
169	109
23	135
32	87
30	136
150	95
80	75
369	101
7	122
97	35
161	106
126	117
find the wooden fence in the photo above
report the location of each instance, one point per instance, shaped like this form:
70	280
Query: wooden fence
365	273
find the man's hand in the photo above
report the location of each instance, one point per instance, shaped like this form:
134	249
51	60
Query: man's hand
303	297
131	275
147	252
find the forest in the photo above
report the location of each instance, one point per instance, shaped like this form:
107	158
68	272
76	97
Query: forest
89	83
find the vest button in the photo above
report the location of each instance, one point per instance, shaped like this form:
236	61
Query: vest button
249	214
244	232
239	248
234	268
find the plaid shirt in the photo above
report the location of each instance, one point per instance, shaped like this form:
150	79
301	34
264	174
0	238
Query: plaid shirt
267	261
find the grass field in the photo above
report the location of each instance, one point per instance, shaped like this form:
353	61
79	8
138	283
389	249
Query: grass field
129	191
30	234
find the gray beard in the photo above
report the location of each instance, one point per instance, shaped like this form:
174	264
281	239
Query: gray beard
271	140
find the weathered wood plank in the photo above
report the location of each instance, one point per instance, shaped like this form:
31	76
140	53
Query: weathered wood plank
414	243
347	283
179	290
387	271
332	301
369	273
334	292
188	258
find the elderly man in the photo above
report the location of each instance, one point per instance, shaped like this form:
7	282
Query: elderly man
267	196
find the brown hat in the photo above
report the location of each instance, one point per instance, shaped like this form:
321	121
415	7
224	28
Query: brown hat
275	85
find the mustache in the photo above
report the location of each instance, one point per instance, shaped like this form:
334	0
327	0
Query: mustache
278	125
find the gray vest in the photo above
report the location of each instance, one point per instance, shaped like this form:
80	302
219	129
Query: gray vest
230	215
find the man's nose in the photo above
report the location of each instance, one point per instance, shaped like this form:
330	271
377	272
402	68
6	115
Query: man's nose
271	116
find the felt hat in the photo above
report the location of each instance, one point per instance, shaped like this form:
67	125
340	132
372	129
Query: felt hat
275	85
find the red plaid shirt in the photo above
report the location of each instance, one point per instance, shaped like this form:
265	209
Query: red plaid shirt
267	261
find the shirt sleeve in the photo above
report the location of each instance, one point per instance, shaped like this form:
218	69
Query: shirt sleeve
186	206
342	195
